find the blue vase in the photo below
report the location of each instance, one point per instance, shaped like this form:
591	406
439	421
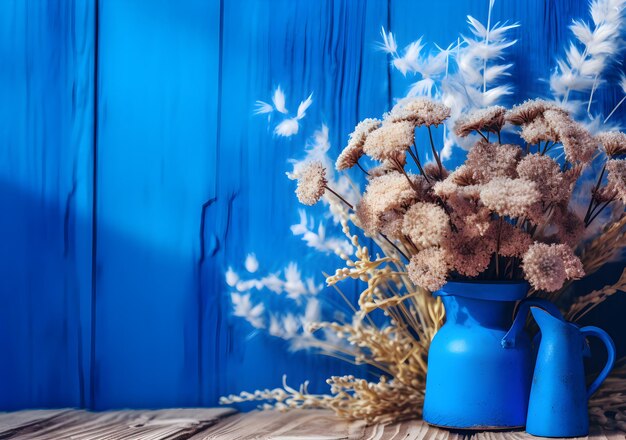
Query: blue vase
559	395
473	382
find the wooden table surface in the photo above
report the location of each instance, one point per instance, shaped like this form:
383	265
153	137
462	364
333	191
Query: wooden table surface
224	423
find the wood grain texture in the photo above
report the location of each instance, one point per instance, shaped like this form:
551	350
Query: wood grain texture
221	423
119	425
20	419
46	114
156	155
254	202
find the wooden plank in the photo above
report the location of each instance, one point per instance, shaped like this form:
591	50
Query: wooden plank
409	430
316	424
121	425
266	44
46	114
220	423
13	420
156	124
279	425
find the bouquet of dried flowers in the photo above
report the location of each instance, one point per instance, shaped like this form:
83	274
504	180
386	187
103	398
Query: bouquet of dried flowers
512	211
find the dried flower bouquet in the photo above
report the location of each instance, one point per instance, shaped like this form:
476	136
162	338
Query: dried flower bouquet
513	211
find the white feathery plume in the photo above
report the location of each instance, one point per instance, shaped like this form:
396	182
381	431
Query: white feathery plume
429	68
279	100
247	285
290	326
287	127
478	60
251	264
262	107
294	287
312	287
231	277
275	329
389	44
318	240
273	283
595	46
408	62
312	312
447	53
476	82
244	308
304	105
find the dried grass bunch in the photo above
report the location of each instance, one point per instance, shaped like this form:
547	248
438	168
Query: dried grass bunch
524	209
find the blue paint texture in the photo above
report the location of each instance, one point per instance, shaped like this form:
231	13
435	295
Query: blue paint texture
133	174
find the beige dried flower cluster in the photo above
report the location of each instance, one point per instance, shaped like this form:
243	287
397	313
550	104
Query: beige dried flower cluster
505	214
311	183
493	217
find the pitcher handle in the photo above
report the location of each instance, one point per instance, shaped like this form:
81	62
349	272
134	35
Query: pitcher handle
510	339
610	349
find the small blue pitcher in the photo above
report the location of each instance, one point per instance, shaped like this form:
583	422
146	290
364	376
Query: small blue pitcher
558	396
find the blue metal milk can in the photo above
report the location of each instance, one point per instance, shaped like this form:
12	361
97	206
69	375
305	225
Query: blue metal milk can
558	397
472	381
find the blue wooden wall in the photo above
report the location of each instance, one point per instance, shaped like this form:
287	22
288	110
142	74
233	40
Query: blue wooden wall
133	173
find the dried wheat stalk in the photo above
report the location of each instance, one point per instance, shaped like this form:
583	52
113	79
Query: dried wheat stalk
398	351
584	304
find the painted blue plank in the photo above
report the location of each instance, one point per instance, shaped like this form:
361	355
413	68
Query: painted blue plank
322	47
156	152
46	84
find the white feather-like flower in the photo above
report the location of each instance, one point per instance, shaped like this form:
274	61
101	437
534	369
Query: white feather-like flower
312	312
389	44
294	286
594	47
290	326
279	100
244	308
304	105
408	62
494	33
287	127
275	328
262	107
317	239
231	277
479	60
290	125
252	264
273	283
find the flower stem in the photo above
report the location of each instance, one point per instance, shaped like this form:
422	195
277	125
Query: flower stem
361	168
597	213
340	198
593	194
400	168
498	248
417	162
394	245
432	145
482	135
